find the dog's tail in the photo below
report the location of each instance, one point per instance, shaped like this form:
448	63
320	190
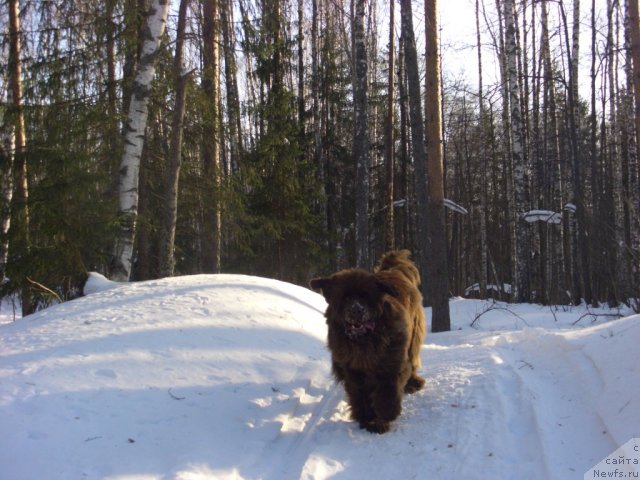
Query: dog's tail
399	261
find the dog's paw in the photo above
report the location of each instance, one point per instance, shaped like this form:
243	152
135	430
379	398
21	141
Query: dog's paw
377	426
414	384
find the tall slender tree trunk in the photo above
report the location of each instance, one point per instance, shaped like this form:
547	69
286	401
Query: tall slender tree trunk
212	235
7	148
301	103
578	261
551	171
21	239
634	32
318	158
170	210
389	140
361	136
417	142
113	135
634	52
403	183
231	82
595	176
439	275
134	140
617	265
520	284
484	269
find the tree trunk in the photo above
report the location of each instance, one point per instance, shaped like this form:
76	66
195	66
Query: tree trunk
439	275
212	235
6	194
634	32
589	296
300	39
403	182
361	136
170	210
417	142
520	284
134	139
484	269
633	22
20	207
551	192
233	95
389	239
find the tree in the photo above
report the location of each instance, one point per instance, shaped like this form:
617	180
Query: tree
21	242
438	275
634	24
134	140
231	82
168	229
389	137
417	139
211	251
361	135
520	274
484	266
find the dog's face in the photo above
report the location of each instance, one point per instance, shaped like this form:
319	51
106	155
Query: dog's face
356	299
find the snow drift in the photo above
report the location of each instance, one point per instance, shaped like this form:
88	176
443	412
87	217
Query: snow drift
228	376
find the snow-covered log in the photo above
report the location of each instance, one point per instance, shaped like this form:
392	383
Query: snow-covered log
546	216
451	205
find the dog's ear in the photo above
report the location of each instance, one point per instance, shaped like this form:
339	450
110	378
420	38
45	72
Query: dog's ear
387	288
323	284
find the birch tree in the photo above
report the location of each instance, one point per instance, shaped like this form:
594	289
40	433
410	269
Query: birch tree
6	194
134	140
520	276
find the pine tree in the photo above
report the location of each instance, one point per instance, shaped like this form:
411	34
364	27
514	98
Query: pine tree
438	276
166	262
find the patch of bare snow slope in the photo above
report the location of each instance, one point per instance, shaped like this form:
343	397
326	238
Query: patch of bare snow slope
228	376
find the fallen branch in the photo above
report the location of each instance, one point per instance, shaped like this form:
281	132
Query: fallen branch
596	315
495	307
45	289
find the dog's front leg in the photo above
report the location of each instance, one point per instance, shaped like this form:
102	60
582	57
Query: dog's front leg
387	405
359	396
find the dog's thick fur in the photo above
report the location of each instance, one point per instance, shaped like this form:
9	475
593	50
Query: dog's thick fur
376	326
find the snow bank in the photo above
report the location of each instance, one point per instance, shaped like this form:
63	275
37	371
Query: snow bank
228	376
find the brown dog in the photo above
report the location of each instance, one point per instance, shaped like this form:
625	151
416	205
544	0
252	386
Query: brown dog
376	326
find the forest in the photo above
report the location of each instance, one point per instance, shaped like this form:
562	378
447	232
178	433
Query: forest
292	138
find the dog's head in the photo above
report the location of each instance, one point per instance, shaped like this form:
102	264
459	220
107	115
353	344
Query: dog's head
356	300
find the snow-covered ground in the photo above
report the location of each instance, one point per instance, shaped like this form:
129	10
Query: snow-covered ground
228	376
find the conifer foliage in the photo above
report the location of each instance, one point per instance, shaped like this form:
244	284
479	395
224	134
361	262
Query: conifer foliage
290	138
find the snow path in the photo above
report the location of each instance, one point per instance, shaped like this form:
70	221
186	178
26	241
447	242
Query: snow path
228	377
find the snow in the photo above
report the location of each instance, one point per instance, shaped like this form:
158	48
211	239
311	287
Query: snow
228	376
450	204
546	216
